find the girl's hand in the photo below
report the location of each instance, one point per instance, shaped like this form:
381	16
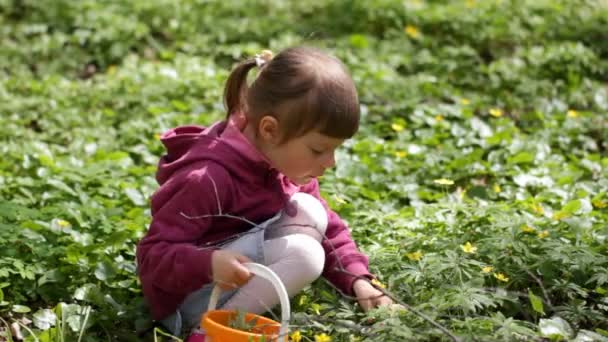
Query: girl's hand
368	296
228	270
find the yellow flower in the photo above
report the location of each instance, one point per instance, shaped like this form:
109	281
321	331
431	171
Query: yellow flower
543	234
560	215
397	127
378	283
527	229
415	256
412	31
63	223
157	136
443	181
599	204
400	154
296	336
496	112
572	113
468	248
439	118
322	338
470	3
111	70
501	277
497	188
487	269
465	101
538	208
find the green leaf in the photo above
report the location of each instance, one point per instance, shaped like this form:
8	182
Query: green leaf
20	308
44	319
521	158
105	270
572	207
62	186
555	327
51	276
537	303
135	196
589	336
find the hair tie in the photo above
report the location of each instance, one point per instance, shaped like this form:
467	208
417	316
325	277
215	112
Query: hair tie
263	57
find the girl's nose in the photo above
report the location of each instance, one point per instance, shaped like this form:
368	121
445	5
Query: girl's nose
330	161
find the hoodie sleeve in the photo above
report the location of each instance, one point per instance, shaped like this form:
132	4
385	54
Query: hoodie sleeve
340	250
168	258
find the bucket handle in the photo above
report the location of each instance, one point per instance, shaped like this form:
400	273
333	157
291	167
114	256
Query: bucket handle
266	273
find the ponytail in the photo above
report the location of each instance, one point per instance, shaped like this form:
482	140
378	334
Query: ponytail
236	87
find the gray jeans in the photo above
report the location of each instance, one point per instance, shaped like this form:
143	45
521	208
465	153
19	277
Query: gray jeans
188	314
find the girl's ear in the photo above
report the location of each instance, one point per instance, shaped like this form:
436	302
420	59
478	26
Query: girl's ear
268	130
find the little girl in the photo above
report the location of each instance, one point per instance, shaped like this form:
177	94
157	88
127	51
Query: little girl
245	189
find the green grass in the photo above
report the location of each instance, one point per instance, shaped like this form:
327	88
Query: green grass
507	99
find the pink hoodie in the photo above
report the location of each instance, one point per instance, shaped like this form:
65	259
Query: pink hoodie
214	170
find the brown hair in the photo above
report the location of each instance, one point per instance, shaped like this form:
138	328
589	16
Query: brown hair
303	88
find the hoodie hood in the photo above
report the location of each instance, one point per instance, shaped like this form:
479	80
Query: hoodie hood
222	143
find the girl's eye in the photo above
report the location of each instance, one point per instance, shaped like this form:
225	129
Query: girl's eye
317	152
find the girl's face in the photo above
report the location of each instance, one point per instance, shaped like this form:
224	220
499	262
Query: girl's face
300	159
306	157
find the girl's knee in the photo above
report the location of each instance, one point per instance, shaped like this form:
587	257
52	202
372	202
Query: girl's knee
307	255
304	215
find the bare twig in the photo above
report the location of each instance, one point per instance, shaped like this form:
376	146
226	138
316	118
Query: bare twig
398	301
217	196
542	287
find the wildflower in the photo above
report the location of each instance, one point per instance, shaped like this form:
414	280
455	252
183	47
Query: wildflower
443	181
560	215
415	256
501	276
157	136
296	336
400	154
538	208
322	338
572	113
543	234
496	112
470	3
439	118
497	188
527	229
397	127
378	283
487	269
63	223
412	31
468	248
599	204
465	101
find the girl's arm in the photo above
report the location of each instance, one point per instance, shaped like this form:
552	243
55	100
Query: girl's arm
343	261
168	257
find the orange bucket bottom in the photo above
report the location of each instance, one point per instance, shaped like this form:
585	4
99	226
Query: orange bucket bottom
215	324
